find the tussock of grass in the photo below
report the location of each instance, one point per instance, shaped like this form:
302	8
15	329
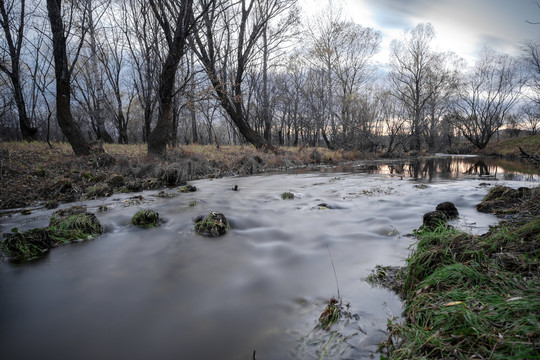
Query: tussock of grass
463	302
331	314
287	195
145	218
213	225
28	245
81	226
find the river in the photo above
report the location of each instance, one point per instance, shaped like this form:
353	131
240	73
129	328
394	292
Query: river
169	293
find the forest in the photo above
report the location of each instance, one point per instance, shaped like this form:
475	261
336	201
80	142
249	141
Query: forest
168	73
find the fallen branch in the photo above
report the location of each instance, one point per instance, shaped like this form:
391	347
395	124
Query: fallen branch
530	157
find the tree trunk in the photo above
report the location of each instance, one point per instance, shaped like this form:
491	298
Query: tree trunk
194	134
98	112
63	90
28	132
160	136
265	104
14	48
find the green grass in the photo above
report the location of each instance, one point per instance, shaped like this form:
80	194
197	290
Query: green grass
530	144
65	229
214	224
145	218
25	246
68	225
331	314
287	195
463	301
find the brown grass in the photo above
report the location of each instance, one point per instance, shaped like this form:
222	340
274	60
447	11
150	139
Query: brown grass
31	173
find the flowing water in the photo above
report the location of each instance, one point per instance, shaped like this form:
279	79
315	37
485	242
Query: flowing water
168	293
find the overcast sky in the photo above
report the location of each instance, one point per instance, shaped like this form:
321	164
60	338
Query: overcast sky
463	26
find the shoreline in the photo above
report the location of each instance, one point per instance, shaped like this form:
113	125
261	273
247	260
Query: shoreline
470	296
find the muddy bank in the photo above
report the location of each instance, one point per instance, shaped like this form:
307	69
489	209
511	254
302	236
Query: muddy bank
32	174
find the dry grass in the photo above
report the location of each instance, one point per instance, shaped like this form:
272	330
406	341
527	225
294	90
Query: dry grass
34	172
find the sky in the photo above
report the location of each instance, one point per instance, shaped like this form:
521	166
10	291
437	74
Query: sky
462	26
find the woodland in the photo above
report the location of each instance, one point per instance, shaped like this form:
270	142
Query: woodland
167	73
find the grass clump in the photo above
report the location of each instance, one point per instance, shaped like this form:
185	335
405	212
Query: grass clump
331	314
66	225
287	195
99	190
73	225
26	246
188	188
214	224
470	296
145	219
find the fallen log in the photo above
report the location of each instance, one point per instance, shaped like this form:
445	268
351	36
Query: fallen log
530	157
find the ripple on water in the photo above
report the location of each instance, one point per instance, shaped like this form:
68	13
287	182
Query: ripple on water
167	291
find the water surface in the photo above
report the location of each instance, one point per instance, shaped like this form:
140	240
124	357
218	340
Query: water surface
168	293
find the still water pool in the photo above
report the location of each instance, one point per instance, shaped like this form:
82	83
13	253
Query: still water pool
168	293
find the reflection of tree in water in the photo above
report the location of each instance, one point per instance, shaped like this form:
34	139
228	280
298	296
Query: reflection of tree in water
479	168
429	168
452	168
396	169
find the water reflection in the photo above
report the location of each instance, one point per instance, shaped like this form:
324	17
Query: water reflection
451	167
167	293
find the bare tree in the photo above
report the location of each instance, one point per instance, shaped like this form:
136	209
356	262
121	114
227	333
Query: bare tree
442	81
141	35
176	34
112	57
487	95
13	19
531	115
63	78
225	44
411	61
95	96
531	55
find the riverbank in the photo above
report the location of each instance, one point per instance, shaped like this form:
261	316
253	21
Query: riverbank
510	148
469	296
33	174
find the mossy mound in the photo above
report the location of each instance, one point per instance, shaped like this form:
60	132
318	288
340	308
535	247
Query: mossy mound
66	225
287	195
26	246
73	224
504	200
116	181
188	188
145	218
215	224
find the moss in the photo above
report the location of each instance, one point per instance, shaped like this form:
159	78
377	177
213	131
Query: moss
214	224
146	219
188	188
287	195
